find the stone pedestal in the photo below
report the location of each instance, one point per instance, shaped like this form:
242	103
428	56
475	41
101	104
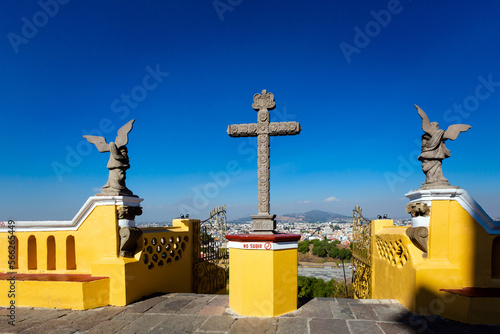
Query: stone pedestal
263	274
263	224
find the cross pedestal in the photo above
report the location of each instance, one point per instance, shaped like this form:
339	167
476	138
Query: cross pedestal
263	275
264	222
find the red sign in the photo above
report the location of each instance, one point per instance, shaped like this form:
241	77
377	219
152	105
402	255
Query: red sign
252	246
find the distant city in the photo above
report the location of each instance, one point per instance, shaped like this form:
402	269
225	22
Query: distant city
311	225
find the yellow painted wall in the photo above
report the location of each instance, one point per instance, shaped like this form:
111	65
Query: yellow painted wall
459	256
263	282
97	253
285	281
97	237
394	274
74	295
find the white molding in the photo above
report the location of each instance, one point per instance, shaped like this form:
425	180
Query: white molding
262	245
420	221
74	224
463	198
126	223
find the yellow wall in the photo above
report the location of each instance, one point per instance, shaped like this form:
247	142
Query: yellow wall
459	256
97	253
73	295
97	237
263	282
394	264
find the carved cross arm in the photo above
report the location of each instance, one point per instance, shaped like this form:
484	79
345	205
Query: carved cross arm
242	130
284	128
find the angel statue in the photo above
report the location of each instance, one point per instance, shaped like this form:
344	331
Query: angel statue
434	150
118	161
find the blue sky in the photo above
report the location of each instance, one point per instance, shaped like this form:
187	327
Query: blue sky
349	72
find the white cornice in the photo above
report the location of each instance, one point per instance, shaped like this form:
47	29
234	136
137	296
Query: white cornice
262	245
463	198
74	224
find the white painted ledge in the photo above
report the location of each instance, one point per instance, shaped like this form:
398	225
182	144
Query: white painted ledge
126	223
74	224
262	245
463	198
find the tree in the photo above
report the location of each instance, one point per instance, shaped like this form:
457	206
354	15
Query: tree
313	287
345	254
320	248
304	247
320	251
333	251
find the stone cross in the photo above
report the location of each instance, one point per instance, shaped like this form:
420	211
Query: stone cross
264	222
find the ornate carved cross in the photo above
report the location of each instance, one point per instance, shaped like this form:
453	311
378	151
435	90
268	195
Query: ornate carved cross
264	222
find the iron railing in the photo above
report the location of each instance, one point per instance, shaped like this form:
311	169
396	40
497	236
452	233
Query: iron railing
361	254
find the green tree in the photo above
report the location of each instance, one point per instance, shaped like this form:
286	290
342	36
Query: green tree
320	248
345	254
304	247
333	251
320	251
313	287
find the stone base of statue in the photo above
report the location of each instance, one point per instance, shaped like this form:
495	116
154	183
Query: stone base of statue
116	184
438	185
127	193
263	277
263	224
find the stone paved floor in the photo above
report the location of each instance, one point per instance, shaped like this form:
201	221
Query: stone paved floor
191	313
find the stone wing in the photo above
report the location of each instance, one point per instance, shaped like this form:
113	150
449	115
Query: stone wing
426	124
454	130
99	142
122	137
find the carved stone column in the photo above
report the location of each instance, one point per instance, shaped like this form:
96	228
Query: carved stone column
129	234
419	235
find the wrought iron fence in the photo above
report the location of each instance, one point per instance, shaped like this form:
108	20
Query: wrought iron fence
213	237
212	257
361	253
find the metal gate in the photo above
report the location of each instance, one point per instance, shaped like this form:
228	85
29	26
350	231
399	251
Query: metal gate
361	253
211	256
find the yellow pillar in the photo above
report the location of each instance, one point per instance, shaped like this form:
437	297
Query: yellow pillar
263	274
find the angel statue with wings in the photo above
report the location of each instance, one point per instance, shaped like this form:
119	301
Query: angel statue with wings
118	161
434	150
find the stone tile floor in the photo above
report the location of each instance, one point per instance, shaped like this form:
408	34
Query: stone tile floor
191	313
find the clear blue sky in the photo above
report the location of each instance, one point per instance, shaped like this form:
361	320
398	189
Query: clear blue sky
348	71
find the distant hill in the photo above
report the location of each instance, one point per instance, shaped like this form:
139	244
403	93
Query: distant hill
306	217
240	220
314	216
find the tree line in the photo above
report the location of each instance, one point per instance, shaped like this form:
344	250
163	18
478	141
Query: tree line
316	287
324	248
